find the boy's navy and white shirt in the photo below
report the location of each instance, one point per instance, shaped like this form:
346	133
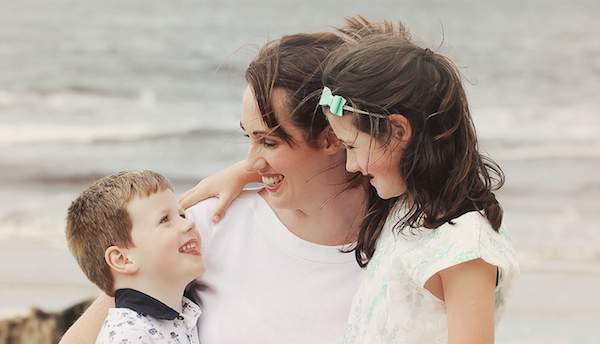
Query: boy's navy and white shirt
140	318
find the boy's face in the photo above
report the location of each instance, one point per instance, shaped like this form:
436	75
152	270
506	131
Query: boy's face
167	245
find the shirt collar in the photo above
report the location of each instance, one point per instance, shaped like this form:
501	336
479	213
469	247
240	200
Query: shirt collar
143	304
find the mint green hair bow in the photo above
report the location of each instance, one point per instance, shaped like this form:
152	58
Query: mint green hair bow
337	104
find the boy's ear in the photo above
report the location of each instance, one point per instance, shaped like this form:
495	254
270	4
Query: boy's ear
401	128
117	259
329	141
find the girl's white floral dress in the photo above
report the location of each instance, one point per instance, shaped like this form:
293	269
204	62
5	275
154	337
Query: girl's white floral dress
391	304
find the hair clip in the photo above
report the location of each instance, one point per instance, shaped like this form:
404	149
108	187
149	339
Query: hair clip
337	104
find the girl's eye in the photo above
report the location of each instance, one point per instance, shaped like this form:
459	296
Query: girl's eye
165	219
348	147
182	215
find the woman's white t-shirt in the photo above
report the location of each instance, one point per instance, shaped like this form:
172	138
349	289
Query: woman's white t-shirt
263	284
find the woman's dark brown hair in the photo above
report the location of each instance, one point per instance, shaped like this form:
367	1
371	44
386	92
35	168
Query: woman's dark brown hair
381	70
293	63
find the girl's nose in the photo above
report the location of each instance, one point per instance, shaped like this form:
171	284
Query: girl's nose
254	160
351	165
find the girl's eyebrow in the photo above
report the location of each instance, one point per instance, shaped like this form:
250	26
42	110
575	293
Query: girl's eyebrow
346	143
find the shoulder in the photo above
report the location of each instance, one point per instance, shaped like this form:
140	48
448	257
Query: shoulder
469	229
124	324
247	210
466	238
202	211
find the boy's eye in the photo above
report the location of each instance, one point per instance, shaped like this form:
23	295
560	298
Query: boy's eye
182	215
165	219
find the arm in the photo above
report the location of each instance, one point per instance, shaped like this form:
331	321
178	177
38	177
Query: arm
469	293
226	184
86	328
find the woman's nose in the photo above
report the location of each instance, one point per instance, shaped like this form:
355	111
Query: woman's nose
254	160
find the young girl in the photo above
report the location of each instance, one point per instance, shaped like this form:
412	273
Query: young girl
439	263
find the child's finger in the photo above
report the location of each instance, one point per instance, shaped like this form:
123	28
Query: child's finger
187	200
221	207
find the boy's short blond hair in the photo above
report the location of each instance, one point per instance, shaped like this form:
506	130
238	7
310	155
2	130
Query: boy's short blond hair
98	219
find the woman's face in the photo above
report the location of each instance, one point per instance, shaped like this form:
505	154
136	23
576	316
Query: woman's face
296	176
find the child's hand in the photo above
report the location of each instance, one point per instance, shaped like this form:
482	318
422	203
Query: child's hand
226	185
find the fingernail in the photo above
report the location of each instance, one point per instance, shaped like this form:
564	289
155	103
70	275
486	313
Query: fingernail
216	218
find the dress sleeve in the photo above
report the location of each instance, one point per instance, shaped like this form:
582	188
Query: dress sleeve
468	238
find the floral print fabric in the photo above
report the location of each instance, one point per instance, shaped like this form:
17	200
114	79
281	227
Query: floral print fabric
391	304
124	326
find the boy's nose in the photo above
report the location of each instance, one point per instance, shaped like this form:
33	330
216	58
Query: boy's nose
187	225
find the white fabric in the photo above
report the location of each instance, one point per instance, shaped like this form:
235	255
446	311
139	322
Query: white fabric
392	305
265	285
124	325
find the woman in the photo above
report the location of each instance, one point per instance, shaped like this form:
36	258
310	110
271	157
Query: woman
275	270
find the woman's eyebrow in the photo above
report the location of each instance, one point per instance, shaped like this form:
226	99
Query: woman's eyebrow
258	132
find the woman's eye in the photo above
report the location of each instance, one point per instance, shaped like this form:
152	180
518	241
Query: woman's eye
269	144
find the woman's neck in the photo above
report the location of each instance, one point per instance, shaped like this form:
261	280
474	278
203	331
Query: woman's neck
332	222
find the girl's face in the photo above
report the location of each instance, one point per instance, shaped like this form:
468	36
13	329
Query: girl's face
368	156
296	176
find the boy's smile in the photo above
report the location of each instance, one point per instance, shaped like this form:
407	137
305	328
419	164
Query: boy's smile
189	247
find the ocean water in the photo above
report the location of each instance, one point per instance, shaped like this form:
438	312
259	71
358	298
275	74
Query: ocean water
90	87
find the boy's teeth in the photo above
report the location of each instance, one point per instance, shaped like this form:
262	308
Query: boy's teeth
187	247
272	181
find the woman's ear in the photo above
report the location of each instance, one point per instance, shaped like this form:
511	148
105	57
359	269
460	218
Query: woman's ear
329	141
117	259
401	128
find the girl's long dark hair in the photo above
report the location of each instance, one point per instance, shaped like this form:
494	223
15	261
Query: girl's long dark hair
382	70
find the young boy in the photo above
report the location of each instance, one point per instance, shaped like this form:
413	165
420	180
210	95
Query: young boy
131	238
